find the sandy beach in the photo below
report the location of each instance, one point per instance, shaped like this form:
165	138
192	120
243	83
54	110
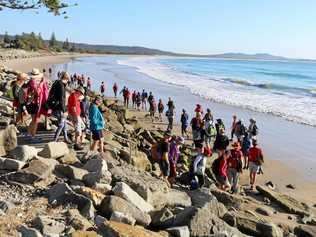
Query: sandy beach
281	173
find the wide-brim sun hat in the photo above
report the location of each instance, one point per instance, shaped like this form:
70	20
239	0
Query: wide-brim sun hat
180	140
81	90
35	72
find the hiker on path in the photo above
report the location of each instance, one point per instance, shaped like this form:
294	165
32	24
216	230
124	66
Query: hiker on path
219	125
115	88
240	130
102	88
170	104
138	101
134	94
74	113
197	169
174	154
221	142
19	94
163	153
170	115
253	129
255	160
57	103
197	129
97	124
246	143
152	109
126	95
184	123
37	94
89	83
234	166
219	168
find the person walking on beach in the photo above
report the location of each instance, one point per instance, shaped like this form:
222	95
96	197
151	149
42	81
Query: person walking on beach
89	83
102	88
234	167
163	154
253	129
19	94
198	109
57	103
174	154
138	101
233	127
152	109
134	94
97	124
245	149
170	115
219	125
221	142
208	116
222	176
209	132
255	160
197	169
161	108
144	99
184	123
170	104
74	112
115	88
150	97
126	95
240	130
197	129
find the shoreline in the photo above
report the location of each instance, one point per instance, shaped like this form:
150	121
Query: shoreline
280	173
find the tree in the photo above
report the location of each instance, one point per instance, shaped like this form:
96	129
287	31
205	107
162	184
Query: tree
73	48
6	38
66	45
52	41
41	43
53	6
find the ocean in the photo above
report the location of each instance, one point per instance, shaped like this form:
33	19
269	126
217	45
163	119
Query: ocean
282	88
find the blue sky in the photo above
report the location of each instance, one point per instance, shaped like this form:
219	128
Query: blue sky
279	27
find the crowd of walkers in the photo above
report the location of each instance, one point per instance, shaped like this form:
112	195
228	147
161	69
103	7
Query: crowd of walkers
235	153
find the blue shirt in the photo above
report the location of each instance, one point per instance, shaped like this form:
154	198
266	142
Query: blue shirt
96	118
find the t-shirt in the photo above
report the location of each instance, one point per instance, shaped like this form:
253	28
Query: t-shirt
73	102
234	159
254	153
223	168
163	147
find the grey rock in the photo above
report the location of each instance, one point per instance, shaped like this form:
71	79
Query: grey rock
162	218
177	198
266	211
111	204
48	226
305	231
11	164
70	172
54	150
77	221
96	164
123	218
5	206
227	199
8	139
62	194
29	232
69	159
124	191
179	231
23	153
291	186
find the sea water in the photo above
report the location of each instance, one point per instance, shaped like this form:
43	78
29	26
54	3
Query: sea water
283	88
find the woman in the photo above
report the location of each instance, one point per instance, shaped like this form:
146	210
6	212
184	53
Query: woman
161	107
37	94
152	109
222	176
97	124
174	153
234	166
18	91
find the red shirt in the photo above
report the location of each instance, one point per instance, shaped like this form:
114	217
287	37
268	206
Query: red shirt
233	160
223	168
254	153
73	102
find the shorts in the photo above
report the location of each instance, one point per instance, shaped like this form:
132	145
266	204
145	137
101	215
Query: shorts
222	180
78	123
32	108
97	135
253	167
164	167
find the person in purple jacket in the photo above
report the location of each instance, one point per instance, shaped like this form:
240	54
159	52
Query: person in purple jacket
174	153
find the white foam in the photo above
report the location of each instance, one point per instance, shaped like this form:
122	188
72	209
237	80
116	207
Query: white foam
301	109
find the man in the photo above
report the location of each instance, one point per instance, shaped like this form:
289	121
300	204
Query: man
74	112
221	142
160	109
170	104
144	98
174	154
255	160
184	123
102	88
233	128
115	88
169	115
197	129
234	166
57	103
96	124
89	83
253	129
150	97
152	109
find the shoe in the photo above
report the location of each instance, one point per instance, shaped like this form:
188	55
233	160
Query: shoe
68	141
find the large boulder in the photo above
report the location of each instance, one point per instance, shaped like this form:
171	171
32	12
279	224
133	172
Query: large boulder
288	203
95	196
137	158
176	198
227	199
111	204
54	150
62	194
98	170
69	159
8	139
124	191
123	218
29	232
252	225
116	229
11	164
70	172
48	226
77	221
151	189
23	153
179	231
39	170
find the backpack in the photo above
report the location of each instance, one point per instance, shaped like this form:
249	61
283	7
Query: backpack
215	165
211	130
154	152
52	102
194	184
